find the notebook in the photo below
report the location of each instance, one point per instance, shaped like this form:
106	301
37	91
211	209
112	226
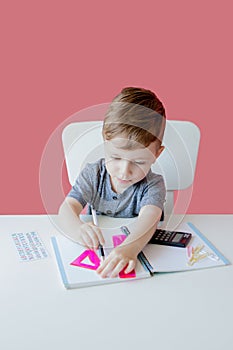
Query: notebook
77	265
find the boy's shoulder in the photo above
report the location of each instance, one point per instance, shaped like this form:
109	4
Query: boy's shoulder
95	167
100	163
153	176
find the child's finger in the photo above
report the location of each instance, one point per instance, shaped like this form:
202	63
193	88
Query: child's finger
130	267
103	264
94	239
90	238
107	267
87	241
119	267
99	235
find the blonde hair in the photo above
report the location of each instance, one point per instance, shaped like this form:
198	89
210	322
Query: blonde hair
138	114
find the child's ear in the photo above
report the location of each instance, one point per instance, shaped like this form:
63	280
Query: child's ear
159	151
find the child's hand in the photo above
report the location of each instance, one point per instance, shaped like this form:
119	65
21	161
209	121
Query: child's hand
117	260
91	236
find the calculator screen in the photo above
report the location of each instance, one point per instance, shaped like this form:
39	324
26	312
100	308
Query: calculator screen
177	237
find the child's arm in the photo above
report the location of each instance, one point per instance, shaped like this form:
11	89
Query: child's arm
141	231
74	228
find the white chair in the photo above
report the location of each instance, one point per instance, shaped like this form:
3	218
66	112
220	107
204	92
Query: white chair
82	143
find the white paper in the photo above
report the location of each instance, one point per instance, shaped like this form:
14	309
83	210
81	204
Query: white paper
29	246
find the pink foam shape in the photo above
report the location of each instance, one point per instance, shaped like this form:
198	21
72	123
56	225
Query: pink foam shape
131	274
118	239
93	257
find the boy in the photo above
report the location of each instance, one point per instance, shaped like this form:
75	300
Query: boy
122	184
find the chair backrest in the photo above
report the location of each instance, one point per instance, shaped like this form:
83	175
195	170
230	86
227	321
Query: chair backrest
83	143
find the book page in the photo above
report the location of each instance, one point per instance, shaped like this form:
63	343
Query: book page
77	265
171	259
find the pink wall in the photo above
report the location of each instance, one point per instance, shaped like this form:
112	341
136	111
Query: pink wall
58	57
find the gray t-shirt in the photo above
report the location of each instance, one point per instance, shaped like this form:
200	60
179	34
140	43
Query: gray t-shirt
93	187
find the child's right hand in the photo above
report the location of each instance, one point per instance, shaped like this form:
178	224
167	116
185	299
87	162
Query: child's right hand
91	235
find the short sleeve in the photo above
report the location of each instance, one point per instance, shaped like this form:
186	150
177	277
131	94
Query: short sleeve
154	191
83	188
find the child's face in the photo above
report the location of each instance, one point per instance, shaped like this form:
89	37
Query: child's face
128	166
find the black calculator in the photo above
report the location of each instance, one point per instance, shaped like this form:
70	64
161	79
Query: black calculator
171	238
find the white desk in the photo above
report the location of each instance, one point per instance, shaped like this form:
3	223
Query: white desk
186	310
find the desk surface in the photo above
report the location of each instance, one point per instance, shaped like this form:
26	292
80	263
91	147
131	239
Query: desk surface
186	310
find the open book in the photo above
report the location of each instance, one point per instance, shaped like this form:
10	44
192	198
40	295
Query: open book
77	264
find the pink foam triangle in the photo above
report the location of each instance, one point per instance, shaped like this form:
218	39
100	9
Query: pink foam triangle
93	257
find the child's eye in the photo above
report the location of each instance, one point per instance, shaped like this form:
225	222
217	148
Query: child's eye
139	163
116	158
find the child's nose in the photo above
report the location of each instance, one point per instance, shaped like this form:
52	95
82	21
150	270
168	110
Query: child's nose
125	169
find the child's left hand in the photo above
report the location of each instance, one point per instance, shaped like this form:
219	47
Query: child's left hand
117	260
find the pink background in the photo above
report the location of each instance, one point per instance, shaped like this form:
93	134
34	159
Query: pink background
58	57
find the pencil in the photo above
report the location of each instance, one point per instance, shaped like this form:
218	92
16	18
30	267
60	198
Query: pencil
141	256
94	217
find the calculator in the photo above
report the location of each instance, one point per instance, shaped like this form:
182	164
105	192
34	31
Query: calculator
171	238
